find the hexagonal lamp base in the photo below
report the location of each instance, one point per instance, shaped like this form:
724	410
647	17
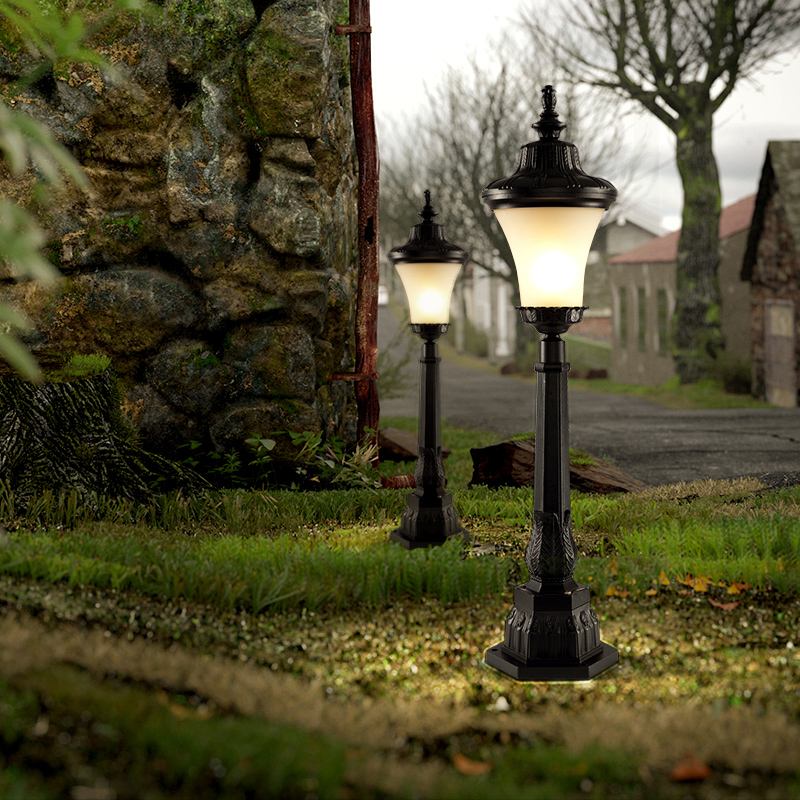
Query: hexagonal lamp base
551	670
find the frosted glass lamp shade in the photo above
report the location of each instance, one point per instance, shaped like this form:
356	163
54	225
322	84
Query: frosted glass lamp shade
429	286
550	245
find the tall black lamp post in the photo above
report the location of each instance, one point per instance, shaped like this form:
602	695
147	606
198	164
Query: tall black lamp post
428	266
549	210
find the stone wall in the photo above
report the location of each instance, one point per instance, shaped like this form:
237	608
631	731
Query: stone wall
734	297
213	259
775	278
640	353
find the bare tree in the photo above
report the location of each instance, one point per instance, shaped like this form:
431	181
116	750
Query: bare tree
469	133
680	60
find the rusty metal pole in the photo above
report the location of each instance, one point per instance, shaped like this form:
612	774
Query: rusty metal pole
366	323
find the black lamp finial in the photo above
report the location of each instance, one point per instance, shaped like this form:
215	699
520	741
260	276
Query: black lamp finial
549	126
427	212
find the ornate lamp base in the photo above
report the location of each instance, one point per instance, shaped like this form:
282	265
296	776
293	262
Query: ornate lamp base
426	524
552	637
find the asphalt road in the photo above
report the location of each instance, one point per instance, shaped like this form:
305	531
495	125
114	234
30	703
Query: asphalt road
650	442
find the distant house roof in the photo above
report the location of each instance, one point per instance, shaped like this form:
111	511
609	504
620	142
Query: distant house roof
734	218
640	217
781	171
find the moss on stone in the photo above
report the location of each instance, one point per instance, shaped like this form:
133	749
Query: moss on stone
204	359
81	365
126	227
286	78
212	25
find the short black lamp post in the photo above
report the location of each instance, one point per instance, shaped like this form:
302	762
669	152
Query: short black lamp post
549	210
428	266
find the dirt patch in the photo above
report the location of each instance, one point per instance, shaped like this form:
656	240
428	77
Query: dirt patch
739	738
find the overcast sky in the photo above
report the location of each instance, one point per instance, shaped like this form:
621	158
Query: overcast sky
415	41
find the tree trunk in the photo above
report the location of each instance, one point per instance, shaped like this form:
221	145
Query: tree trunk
697	335
460	332
70	436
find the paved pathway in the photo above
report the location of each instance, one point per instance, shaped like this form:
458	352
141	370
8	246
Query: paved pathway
653	443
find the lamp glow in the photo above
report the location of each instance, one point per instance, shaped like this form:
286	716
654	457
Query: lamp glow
429	287
550	246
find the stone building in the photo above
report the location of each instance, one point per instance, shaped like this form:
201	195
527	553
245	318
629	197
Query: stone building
620	231
643	286
772	268
213	259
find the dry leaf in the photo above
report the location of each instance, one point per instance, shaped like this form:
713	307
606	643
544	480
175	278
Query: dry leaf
663	579
738	587
724	606
614	591
698	584
690	769
467	766
651	592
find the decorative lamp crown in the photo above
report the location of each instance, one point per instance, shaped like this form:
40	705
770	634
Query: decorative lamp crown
549	172
427	242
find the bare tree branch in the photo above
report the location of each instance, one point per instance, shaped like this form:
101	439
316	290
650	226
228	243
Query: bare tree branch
679	60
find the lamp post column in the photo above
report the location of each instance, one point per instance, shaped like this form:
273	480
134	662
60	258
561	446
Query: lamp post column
551	551
551	632
429	472
430	517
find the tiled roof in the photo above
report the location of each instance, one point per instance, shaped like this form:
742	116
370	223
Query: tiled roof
734	218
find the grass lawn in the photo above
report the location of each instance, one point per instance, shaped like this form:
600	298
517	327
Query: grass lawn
703	394
273	644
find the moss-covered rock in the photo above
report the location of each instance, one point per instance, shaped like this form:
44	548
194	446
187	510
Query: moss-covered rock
122	311
289	68
227	301
190	373
206	29
262	417
273	360
286	213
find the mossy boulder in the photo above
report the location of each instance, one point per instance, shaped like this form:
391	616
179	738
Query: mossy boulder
204	29
289	68
266	418
287	212
121	312
273	360
227	301
191	375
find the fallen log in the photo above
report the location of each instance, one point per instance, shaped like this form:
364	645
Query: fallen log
511	463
